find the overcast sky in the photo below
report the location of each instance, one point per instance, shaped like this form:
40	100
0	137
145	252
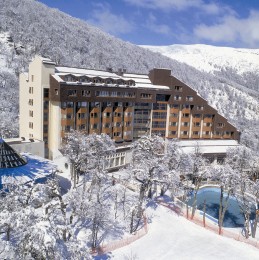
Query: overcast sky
164	22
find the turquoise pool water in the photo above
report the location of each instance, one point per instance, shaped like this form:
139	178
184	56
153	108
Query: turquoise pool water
233	216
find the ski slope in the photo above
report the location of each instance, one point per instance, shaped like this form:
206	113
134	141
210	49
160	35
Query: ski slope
174	237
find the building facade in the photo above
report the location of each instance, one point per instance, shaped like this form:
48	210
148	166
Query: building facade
126	106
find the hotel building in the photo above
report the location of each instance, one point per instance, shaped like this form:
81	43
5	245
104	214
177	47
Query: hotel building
55	99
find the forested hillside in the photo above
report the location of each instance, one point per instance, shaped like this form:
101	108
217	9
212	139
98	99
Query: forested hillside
28	27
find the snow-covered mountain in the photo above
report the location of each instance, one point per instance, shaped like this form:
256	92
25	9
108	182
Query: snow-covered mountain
211	58
29	28
244	63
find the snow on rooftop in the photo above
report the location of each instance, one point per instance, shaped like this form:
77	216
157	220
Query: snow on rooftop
143	85
36	168
132	75
57	78
207	146
184	143
87	72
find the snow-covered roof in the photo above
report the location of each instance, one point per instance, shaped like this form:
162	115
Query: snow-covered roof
142	85
141	81
36	168
87	72
208	146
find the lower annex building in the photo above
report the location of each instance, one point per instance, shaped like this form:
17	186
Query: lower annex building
55	99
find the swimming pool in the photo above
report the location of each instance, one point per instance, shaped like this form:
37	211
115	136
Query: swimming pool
233	216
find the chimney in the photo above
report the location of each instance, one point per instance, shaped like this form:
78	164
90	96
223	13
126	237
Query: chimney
121	71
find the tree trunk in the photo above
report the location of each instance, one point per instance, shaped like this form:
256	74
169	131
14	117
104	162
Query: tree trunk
220	209
194	204
8	232
254	225
246	224
132	221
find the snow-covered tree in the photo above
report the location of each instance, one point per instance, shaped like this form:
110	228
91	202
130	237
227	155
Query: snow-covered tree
227	179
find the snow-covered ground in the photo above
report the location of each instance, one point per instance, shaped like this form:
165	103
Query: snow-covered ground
173	237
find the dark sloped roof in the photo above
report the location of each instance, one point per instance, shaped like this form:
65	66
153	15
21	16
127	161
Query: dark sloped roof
9	158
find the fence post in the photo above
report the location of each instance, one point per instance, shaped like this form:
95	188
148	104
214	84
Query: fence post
204	210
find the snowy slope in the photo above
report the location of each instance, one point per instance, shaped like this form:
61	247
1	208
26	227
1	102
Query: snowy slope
211	58
173	237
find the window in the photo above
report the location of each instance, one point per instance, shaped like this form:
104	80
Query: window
186	106
102	93
178	88
159	106
107	114
174	115
46	93
197	116
172	132
207	116
94	126
162	97
200	107
113	94
129	94
32	78
69	116
116	114
107	125
72	93
206	133
207	124
46	105
128	114
86	93
160	115
177	97
158	124
45	129
196	124
189	98
186	115
184	132
81	104
31	125
173	123
67	128
128	123
82	127
221	125
81	115
117	134
30	113
196	133
31	102
31	90
118	104
174	106
145	95
117	124
94	115
185	124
